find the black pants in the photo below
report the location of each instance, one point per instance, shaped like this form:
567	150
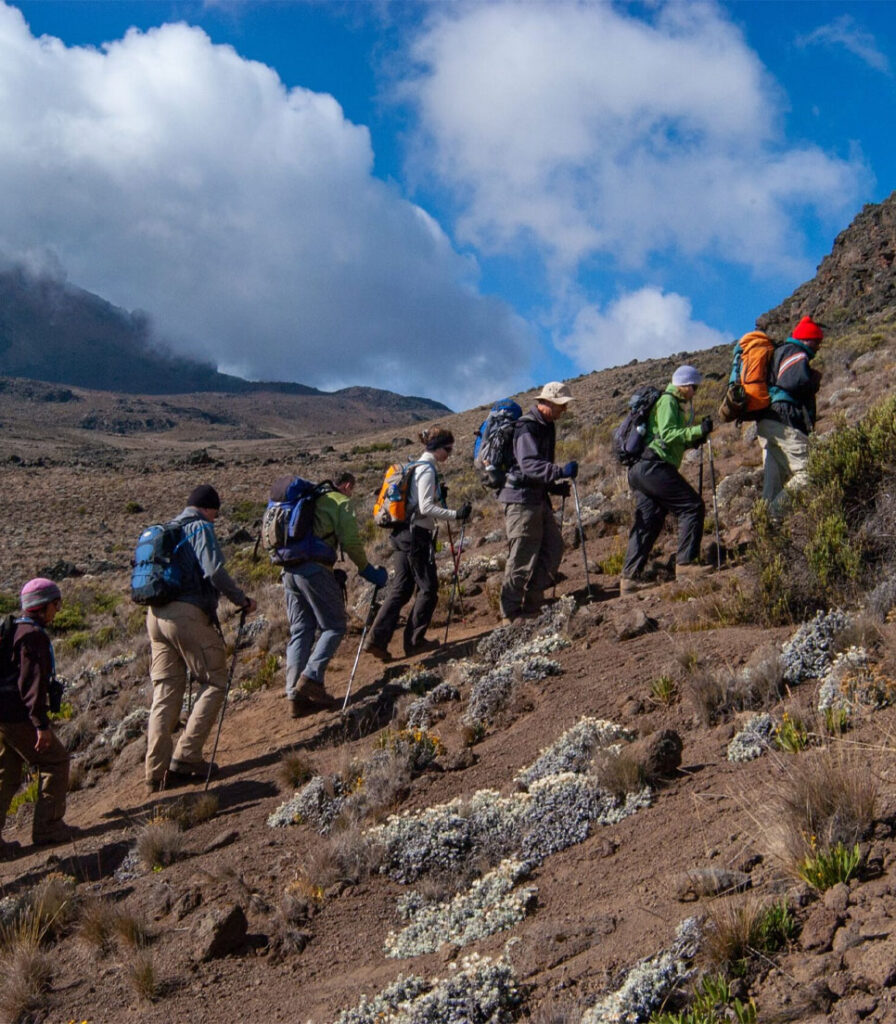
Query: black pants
415	566
660	489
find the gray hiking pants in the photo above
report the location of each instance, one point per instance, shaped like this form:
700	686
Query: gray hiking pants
314	603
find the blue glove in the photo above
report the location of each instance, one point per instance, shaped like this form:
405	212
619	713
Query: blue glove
375	574
571	469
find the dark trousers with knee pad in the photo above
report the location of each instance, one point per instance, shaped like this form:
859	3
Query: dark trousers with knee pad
660	489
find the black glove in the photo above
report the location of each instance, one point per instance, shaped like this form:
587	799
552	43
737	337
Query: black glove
464	512
571	469
706	426
561	489
375	574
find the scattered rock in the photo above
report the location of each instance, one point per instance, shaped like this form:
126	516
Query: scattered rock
658	754
819	928
633	623
221	840
220	932
698	882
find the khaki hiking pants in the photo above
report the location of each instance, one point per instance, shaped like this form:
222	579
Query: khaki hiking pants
17	741
785	456
534	556
182	637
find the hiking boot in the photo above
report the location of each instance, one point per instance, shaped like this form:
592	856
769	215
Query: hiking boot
423	647
300	706
628	585
53	833
314	695
10	850
380	653
691	571
190	769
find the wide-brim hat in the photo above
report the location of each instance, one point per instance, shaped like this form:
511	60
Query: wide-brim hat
555	392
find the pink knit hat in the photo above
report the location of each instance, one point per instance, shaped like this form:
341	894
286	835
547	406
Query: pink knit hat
38	592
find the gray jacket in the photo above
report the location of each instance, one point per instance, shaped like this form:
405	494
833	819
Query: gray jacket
534	473
209	578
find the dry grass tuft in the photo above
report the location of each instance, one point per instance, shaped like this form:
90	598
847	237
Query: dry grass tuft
140	973
824	797
26	971
294	771
160	842
734	930
102	922
345	856
618	772
192	810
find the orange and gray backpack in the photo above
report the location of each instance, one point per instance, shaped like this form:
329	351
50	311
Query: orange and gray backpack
391	509
751	373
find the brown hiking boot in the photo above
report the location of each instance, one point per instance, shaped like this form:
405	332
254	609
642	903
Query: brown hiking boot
190	769
628	585
314	695
423	647
380	653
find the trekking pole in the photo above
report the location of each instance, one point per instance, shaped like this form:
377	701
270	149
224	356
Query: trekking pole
368	621
455	583
575	494
562	517
236	648
700	474
715	504
455	557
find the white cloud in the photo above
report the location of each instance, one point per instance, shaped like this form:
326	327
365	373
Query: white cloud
844	31
589	132
638	325
172	175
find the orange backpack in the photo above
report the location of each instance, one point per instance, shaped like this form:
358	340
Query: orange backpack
391	505
751	372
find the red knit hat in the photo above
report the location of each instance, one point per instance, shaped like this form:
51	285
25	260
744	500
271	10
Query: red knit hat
807	330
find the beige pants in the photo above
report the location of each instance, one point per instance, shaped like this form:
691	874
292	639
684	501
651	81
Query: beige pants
534	556
16	750
785	456
182	637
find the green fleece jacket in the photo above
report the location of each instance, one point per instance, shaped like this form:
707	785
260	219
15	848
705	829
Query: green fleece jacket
335	523
668	431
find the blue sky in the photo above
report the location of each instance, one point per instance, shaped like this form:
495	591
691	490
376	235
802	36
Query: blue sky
459	200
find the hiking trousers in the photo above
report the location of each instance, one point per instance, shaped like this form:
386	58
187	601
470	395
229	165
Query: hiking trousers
182	637
17	741
414	563
785	458
533	559
314	602
660	489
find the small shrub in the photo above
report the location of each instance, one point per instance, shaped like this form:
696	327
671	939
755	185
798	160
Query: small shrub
664	691
612	564
28	795
132	507
264	675
246	511
791	735
823	868
777	927
71	616
97	924
253	569
617	772
190	811
104	602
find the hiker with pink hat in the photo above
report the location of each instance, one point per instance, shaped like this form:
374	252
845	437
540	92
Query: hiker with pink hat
29	692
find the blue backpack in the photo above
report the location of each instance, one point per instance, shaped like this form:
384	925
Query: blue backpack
630	437
493	448
287	532
162	564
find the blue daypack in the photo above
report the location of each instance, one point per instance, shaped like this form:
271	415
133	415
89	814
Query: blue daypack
161	564
287	532
630	437
493	447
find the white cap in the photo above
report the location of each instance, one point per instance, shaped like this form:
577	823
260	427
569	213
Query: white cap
557	392
686	375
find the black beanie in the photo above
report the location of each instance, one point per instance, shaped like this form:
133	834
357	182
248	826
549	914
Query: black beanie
204	496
